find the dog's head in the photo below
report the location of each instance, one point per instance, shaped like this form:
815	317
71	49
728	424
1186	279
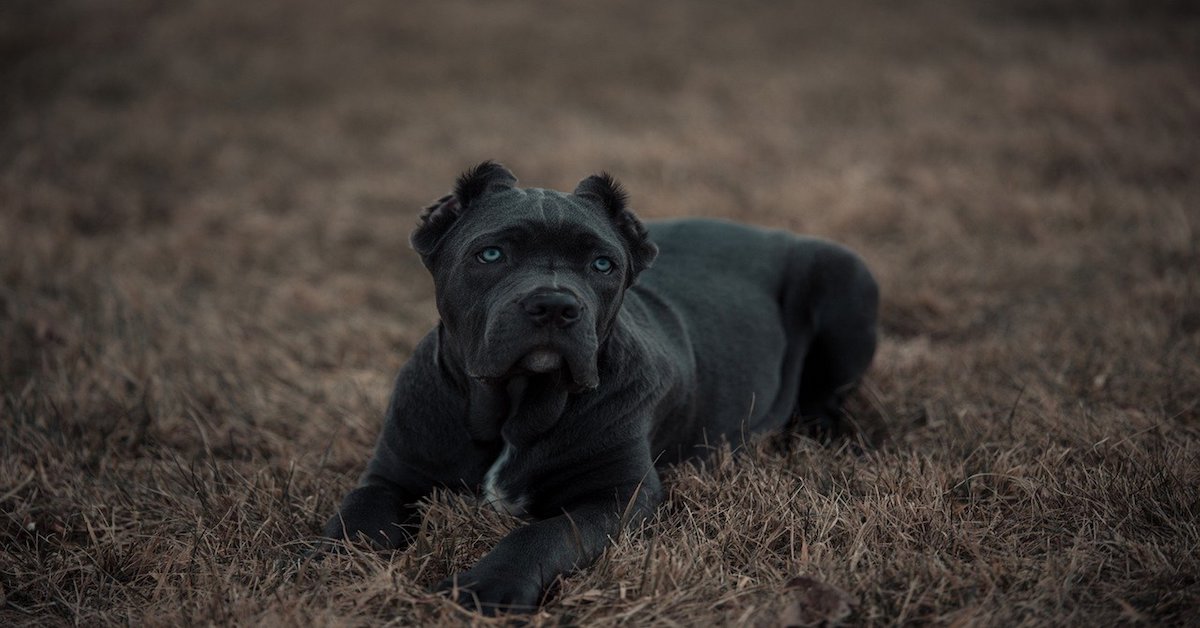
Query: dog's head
529	281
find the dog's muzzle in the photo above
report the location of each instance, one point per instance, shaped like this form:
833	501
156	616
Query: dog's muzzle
541	331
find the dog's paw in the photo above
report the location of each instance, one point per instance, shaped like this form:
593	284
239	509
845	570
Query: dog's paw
491	593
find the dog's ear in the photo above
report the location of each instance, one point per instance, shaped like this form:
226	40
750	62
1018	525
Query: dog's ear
604	190
486	178
436	219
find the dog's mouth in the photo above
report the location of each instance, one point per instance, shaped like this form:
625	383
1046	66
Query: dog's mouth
576	371
542	361
511	348
545	360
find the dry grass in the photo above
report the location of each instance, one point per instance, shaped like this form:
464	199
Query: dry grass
205	290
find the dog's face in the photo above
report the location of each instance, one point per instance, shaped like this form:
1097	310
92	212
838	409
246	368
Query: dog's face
529	281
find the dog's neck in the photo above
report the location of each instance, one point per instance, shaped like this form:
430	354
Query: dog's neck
518	409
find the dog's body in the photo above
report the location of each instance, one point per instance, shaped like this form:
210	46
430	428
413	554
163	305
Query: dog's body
556	385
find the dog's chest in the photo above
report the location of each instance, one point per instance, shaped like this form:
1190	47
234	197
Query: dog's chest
498	485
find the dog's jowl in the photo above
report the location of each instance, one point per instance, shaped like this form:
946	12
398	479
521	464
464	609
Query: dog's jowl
580	350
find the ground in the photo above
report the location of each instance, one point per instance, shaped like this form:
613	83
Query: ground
206	288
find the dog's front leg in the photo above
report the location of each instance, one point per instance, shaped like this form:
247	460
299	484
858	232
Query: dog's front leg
377	513
424	444
514	575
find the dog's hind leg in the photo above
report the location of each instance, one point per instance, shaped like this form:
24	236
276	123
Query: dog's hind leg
844	302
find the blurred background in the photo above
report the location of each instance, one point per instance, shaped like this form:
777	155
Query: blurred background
253	169
204	212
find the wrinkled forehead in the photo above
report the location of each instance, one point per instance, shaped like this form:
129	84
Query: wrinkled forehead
546	213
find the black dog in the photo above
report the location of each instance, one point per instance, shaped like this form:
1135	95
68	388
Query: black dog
565	370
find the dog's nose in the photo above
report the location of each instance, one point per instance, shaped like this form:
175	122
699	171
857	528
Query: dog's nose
551	307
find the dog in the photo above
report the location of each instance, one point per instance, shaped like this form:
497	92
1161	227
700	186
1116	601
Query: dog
580	351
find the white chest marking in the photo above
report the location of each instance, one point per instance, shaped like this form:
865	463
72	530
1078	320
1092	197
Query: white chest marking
494	495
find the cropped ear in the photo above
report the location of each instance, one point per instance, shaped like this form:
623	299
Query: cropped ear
605	191
436	219
486	178
434	222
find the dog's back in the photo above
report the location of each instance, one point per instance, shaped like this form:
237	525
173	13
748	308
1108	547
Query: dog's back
746	306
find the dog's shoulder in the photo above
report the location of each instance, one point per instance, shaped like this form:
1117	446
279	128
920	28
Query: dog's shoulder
425	436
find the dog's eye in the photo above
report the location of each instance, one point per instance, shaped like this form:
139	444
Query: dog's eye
490	255
602	265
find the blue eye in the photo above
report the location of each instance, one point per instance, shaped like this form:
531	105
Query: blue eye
602	264
490	255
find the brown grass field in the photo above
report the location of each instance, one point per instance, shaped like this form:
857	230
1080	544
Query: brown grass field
206	288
